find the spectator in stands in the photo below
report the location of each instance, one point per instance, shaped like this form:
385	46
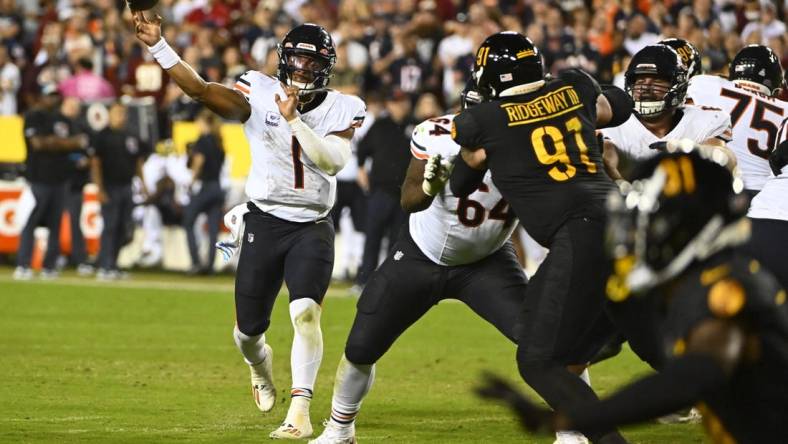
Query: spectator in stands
79	175
638	36
767	26
205	162
388	144
85	84
10	80
117	157
50	137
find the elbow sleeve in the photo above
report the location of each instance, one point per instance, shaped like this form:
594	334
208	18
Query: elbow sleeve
329	153
621	105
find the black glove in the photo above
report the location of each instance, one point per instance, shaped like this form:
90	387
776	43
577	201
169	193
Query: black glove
532	417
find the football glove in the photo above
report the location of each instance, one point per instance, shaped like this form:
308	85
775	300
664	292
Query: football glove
234	221
436	174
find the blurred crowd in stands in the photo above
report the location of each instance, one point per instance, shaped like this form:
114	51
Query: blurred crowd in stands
408	59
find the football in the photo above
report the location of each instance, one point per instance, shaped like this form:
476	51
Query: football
141	5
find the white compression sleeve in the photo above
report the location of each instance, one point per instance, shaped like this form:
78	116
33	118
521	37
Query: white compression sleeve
329	153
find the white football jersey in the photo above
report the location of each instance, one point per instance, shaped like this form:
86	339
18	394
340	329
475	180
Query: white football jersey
697	124
454	231
771	201
283	181
755	118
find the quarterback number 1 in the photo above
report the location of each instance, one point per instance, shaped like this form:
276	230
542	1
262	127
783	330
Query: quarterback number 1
298	166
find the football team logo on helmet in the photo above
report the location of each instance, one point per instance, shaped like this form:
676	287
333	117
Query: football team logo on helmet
662	62
505	61
306	58
758	64
689	55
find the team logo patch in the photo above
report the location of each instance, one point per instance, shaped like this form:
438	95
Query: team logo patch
526	53
398	255
250	237
272	118
506	77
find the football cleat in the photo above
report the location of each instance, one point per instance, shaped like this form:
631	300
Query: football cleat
336	434
23	274
48	274
263	389
691	416
569	437
300	428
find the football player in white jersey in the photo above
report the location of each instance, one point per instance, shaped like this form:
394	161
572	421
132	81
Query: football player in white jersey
656	78
453	248
299	132
769	212
748	95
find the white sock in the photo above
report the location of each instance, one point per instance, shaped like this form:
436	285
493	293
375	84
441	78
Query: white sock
351	385
307	352
251	347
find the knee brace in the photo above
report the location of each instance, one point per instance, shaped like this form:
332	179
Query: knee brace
305	316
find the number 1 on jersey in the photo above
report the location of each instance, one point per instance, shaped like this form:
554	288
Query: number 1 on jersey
298	166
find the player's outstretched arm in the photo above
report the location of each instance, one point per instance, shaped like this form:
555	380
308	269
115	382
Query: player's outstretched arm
224	101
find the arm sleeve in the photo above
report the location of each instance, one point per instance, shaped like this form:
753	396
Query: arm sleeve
329	153
620	103
682	382
464	180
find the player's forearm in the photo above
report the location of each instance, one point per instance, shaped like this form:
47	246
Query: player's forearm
465	179
218	98
681	384
189	81
329	153
413	198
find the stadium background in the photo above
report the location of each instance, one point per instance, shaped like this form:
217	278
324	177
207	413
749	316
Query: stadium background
61	341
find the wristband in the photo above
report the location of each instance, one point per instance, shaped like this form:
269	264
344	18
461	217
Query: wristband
164	54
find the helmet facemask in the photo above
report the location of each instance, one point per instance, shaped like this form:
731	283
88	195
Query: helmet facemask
306	70
653	98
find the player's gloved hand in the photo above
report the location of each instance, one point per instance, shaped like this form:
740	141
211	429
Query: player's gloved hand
532	417
436	174
234	221
227	249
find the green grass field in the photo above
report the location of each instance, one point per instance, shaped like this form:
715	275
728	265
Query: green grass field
152	360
